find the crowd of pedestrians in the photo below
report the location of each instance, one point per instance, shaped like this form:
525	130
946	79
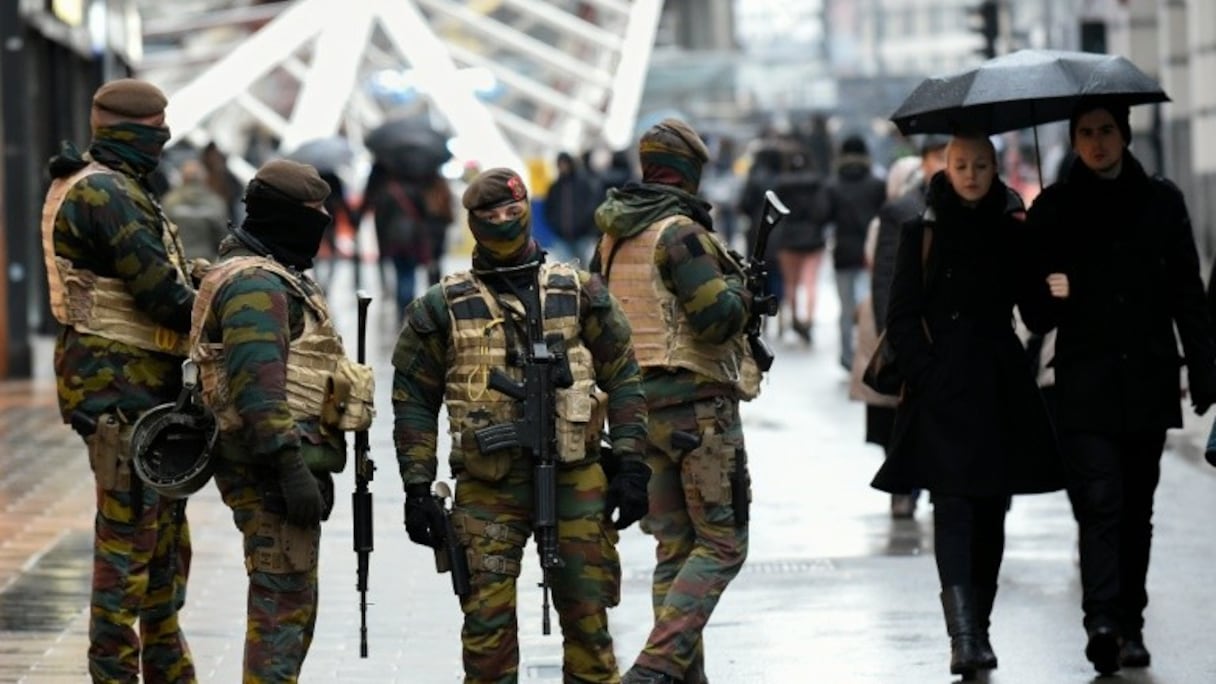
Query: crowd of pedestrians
935	259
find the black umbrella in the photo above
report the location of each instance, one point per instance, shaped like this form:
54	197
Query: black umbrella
326	154
1020	90
409	147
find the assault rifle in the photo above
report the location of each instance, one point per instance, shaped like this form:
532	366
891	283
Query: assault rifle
546	369
756	270
361	499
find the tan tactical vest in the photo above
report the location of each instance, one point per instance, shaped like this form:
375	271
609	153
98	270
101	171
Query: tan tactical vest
479	345
322	383
662	335
97	305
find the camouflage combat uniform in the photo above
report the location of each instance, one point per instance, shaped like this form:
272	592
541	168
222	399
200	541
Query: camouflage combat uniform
251	318
453	336
657	257
118	285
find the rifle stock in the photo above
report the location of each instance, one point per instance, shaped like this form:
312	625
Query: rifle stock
763	302
361	498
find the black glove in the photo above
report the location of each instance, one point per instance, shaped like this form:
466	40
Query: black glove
423	519
301	495
1210	456
627	494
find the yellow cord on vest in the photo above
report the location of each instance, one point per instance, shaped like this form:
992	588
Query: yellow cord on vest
483	369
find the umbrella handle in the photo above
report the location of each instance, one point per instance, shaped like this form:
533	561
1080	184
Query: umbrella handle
1038	156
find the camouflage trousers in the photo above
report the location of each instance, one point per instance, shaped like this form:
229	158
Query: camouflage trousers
583	588
701	545
141	559
281	561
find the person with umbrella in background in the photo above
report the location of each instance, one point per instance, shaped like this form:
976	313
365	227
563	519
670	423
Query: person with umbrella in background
410	200
328	156
1117	250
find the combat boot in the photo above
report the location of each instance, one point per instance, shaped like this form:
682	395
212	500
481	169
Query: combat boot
984	597
958	604
644	675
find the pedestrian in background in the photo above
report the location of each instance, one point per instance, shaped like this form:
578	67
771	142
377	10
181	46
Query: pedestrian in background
404	229
850	199
265	347
659	254
1119	255
223	182
201	216
118	285
570	211
891	218
799	240
766	165
476	322
971	428
880	409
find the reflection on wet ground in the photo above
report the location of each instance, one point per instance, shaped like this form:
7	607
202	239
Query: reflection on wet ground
54	590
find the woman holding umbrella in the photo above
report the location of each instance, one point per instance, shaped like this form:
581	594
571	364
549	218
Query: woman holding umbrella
971	428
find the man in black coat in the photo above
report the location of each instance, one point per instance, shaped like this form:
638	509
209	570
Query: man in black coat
570	211
850	199
1123	272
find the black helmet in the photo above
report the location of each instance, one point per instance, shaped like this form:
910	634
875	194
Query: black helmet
171	449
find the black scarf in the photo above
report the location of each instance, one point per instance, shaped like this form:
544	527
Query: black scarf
288	232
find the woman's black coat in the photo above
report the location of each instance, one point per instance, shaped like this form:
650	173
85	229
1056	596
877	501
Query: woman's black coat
972	422
1127	249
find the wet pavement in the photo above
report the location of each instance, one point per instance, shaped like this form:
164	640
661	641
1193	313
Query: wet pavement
833	591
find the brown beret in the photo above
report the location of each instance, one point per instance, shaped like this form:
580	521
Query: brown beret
493	188
296	181
674	137
130	97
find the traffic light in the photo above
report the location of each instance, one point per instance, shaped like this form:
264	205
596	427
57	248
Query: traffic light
986	17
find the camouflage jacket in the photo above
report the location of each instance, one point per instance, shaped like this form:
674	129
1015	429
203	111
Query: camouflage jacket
256	316
111	225
421	357
717	303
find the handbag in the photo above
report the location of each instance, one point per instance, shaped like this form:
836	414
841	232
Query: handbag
882	372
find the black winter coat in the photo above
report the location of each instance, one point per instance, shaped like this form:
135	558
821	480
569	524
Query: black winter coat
1129	254
972	422
891	218
849	201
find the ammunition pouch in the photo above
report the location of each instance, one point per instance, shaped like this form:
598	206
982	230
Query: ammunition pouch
715	463
110	454
349	395
575	406
280	548
709	466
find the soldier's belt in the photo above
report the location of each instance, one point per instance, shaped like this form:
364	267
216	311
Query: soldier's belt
468	526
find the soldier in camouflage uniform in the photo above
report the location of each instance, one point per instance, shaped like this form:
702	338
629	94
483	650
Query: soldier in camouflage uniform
266	349
118	285
454	335
659	254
